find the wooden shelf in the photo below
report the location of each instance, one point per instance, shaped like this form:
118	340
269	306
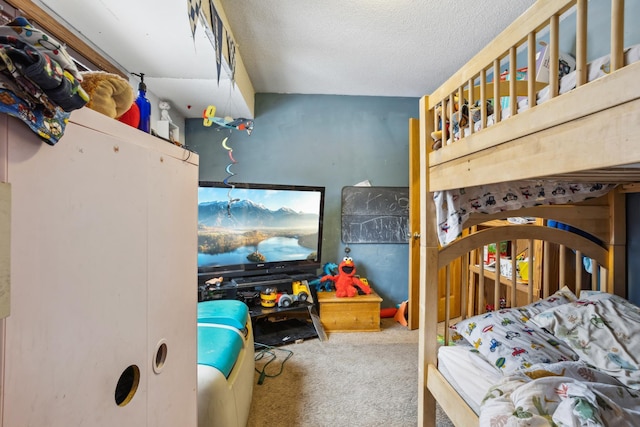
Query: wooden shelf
520	247
504	280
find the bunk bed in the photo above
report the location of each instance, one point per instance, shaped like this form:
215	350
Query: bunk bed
499	138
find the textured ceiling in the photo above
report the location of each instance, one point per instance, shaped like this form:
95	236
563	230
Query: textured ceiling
362	47
357	47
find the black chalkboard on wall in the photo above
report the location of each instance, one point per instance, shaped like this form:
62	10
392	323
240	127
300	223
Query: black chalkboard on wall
375	214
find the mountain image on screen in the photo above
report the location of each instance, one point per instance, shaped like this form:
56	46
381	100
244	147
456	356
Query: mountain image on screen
246	232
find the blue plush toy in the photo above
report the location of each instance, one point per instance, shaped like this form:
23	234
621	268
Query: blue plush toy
330	269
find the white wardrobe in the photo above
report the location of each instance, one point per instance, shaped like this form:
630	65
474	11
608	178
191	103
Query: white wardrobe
102	324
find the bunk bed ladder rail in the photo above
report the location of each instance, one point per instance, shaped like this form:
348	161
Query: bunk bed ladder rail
499	59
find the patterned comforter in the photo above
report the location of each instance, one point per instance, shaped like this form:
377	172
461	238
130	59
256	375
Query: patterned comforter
561	394
601	388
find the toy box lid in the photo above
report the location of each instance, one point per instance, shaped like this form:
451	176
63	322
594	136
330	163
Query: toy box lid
224	312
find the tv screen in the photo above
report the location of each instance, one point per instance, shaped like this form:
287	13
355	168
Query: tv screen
252	229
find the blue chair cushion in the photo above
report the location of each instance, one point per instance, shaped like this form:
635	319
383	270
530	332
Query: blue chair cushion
218	347
223	312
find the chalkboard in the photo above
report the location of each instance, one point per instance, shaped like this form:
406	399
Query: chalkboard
375	214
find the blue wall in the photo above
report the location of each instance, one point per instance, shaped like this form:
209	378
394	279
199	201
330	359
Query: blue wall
324	140
334	141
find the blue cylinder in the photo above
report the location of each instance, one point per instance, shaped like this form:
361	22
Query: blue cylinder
145	111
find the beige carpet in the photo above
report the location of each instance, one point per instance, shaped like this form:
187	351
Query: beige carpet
363	379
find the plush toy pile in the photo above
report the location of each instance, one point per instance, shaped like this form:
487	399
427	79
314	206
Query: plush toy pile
346	282
456	118
39	83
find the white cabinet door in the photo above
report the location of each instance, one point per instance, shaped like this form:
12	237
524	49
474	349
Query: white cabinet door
104	273
79	280
173	201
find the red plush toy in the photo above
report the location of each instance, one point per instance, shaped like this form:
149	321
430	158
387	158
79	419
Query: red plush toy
346	282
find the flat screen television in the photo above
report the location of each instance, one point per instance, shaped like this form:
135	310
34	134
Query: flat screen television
258	229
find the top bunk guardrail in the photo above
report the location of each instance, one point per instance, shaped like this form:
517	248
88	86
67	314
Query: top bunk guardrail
462	124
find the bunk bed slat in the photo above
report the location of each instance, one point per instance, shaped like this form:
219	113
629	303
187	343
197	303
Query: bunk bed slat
581	42
497	113
617	34
514	275
554	53
497	281
531	63
531	270
513	96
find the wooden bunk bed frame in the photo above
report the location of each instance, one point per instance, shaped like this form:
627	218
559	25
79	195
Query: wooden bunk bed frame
590	134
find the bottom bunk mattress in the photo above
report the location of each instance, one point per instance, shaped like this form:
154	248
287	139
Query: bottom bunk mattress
456	362
558	361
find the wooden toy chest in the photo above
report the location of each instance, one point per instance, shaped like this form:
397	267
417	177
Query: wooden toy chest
349	314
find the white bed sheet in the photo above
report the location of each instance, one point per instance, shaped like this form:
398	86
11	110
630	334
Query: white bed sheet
468	372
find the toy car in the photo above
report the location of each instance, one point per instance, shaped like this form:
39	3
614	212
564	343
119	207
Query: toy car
300	292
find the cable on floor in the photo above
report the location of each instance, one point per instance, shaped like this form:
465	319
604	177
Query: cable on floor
270	352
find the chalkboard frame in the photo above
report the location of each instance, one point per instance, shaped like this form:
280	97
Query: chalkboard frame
375	214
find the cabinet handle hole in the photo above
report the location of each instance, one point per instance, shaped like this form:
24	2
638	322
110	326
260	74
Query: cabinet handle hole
160	357
127	385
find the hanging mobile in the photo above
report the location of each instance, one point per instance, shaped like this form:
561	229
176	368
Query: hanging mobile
230	174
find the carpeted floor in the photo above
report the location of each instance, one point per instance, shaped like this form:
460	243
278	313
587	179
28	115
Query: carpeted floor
352	379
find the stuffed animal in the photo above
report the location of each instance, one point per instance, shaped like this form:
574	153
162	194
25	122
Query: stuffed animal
345	281
440	111
110	94
330	269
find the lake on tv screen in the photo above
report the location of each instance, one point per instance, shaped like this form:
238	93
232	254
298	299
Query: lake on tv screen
273	249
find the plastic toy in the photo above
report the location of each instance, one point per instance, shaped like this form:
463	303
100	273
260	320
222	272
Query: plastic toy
402	315
209	118
330	269
300	292
345	281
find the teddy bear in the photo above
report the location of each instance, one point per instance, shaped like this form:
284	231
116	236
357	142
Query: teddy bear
110	95
346	282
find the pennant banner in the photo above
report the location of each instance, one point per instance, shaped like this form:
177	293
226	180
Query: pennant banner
231	60
215	31
193	10
216	26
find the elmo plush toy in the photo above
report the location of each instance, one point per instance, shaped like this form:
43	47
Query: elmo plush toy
346	282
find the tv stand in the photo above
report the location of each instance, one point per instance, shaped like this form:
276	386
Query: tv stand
271	320
262	280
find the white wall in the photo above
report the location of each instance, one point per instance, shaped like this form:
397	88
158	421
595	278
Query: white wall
176	117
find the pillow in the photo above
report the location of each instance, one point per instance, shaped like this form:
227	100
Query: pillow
510	343
563	296
603	330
